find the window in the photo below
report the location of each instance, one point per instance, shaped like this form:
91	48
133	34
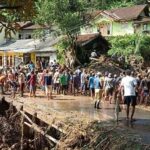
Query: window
88	29
145	26
11	61
20	36
108	29
28	36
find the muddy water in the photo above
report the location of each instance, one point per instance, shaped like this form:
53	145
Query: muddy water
85	106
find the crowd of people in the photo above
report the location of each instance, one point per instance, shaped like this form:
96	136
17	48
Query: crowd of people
130	87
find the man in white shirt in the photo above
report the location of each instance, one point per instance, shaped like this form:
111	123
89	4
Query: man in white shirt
93	54
128	84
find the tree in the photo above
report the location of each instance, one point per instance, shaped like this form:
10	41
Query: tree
129	45
12	11
67	15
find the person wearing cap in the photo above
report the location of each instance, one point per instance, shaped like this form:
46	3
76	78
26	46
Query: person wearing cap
129	84
97	86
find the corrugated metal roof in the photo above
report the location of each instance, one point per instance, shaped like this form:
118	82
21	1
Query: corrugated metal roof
30	45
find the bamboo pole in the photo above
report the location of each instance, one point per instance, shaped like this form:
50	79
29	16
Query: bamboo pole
37	129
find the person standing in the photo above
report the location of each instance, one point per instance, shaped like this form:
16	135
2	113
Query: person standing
21	80
31	66
3	79
128	85
108	87
97	86
83	81
32	83
76	83
145	89
56	82
91	85
48	84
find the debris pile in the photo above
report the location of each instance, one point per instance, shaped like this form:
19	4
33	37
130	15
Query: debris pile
20	132
104	63
14	135
103	136
9	129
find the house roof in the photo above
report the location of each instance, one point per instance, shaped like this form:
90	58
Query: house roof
29	45
95	13
125	13
86	38
28	25
35	26
24	24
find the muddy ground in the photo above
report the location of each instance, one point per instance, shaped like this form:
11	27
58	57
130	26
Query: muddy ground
80	133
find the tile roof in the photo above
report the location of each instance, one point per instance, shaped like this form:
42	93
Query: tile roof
125	13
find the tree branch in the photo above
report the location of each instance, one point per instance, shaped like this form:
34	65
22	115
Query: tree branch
4	25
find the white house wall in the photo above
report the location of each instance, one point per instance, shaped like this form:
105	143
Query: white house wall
122	28
52	56
89	30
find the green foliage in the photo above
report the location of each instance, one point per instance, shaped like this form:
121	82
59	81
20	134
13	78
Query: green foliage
61	48
66	14
110	4
122	45
126	45
145	47
13	11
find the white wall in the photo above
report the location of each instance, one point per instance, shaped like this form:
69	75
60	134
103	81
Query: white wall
25	33
52	56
